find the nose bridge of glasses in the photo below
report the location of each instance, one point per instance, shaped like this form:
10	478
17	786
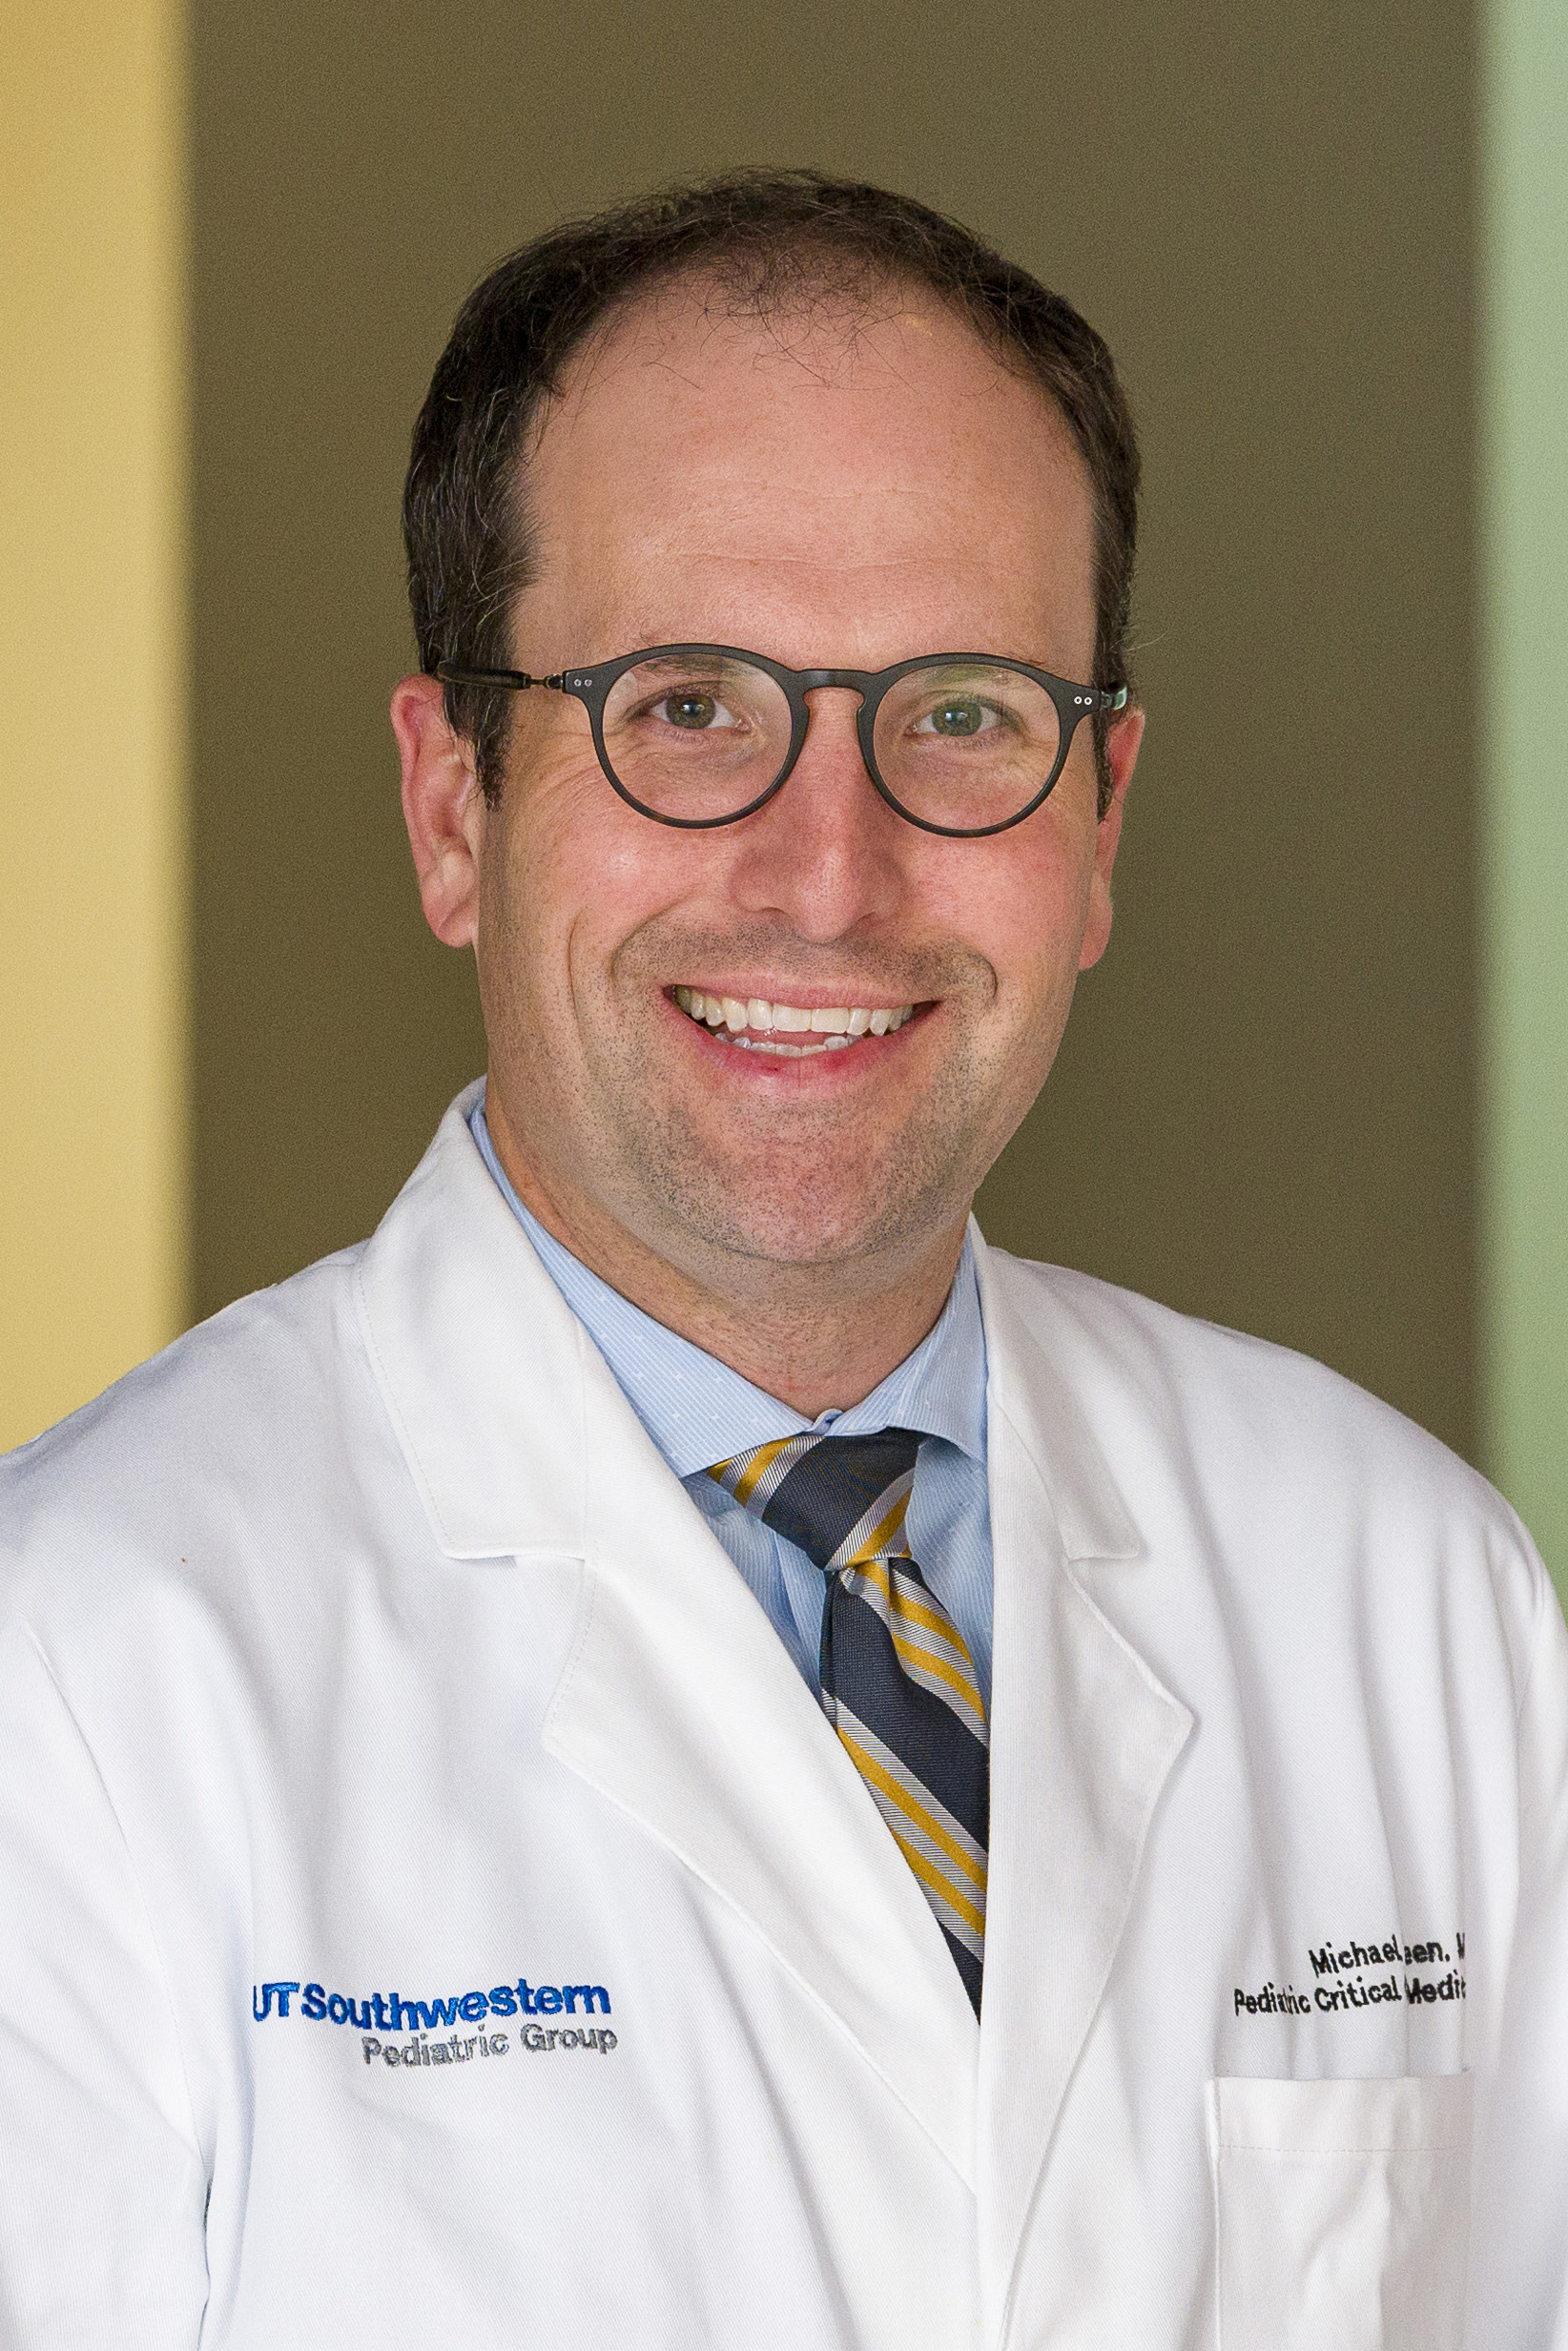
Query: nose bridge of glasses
854	681
857	682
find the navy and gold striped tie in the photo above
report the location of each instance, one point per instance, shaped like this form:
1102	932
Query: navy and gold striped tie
898	1679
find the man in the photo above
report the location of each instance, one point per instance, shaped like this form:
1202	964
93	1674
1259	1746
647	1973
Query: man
674	1751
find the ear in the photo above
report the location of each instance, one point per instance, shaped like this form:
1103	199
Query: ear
443	808
1121	742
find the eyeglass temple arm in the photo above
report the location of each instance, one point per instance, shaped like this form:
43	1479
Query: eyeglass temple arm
518	679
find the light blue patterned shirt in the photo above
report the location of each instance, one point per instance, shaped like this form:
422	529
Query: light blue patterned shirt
698	1412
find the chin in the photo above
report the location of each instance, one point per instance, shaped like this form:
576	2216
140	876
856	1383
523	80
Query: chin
806	1223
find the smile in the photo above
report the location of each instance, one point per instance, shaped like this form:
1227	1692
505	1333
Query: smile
757	1027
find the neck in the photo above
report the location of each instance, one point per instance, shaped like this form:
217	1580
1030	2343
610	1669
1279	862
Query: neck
819	1337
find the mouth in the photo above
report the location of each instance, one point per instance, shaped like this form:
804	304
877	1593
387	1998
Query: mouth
792	1032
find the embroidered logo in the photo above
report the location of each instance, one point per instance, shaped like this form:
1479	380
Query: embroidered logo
287	2000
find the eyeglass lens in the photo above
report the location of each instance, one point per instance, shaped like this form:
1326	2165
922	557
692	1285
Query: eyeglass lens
700	736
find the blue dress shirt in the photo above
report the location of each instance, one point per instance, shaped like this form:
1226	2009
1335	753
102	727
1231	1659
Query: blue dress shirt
698	1412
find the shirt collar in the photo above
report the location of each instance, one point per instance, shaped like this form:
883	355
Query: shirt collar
697	1411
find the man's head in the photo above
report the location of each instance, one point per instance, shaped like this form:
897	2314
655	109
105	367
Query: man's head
764	240
841	434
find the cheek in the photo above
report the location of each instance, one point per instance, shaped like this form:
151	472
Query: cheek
579	875
1024	905
527	891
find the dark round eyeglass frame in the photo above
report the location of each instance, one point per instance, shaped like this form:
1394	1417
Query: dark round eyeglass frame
592	686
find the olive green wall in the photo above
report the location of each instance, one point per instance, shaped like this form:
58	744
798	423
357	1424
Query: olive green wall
1265	1109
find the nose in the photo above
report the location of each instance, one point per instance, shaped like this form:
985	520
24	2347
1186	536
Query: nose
825	854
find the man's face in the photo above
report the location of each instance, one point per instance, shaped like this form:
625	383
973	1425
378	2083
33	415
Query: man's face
832	491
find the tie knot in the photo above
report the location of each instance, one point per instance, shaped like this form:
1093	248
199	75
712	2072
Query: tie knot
841	1499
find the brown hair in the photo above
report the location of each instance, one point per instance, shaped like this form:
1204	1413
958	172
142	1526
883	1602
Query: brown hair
768	237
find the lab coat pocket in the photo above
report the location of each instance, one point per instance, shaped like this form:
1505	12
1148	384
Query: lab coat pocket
1343	2213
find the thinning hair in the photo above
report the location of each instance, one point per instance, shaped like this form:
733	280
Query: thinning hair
770	243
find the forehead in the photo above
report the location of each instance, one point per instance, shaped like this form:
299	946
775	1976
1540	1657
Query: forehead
837	432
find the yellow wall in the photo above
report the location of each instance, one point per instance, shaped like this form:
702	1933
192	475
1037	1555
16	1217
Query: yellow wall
92	1219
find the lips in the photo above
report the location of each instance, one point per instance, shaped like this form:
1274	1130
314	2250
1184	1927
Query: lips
756	1025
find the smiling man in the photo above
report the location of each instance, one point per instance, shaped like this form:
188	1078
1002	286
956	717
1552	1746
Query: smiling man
750	1060
674	1751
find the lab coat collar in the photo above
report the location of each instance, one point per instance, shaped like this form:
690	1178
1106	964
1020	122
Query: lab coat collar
461	1318
464	1328
1026	1378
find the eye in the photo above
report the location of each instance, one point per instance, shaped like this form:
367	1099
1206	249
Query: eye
693	710
957	715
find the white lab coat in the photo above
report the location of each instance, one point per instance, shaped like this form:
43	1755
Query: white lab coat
363	1644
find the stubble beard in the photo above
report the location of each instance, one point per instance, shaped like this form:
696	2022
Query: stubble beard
795	1188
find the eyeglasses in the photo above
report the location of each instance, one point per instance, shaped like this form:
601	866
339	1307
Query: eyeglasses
695	735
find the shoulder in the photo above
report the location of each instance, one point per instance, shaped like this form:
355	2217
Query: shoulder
1210	1383
223	1426
267	1348
1263	1439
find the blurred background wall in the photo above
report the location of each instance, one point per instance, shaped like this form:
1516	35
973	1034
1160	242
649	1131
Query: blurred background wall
1265	1108
1315	1089
94	1030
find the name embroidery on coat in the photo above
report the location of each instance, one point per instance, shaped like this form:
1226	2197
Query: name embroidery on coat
1350	1976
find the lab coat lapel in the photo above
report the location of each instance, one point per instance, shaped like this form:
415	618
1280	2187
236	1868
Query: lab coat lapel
475	1353
678	1702
681	1704
1082	1739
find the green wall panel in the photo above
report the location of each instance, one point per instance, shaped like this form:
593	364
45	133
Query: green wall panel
1525	546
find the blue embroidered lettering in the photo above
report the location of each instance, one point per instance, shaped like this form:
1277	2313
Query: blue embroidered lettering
380	2013
270	1991
427	2014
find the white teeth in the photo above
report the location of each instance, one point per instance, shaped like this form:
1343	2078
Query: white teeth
836	1024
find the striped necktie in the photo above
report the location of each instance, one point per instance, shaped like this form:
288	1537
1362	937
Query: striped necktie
898	1683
